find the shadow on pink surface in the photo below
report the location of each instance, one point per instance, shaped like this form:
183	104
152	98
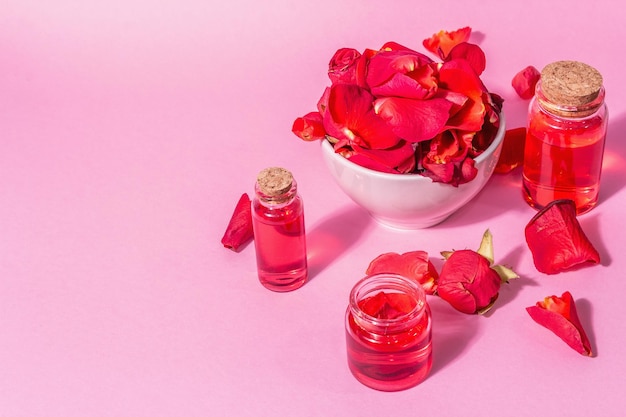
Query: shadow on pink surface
614	162
452	333
333	236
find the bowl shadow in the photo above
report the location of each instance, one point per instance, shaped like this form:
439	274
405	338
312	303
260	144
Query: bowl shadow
332	236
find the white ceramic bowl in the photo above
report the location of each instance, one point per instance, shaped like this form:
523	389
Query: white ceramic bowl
409	201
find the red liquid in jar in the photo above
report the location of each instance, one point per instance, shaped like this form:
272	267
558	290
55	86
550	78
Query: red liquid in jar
280	245
393	360
563	160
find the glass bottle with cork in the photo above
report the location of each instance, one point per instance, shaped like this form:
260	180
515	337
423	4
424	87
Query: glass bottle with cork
566	132
279	234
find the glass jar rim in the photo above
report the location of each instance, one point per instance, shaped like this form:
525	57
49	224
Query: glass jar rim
373	284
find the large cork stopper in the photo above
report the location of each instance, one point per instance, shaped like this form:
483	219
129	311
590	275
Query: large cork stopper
274	181
570	83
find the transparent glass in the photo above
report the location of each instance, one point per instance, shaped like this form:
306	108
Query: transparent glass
563	152
279	239
388	332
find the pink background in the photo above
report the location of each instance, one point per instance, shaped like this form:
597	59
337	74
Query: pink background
129	129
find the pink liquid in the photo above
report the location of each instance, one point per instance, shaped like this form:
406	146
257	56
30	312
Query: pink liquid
279	238
563	160
389	361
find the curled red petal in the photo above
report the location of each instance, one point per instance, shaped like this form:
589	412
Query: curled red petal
512	154
415	265
559	315
556	239
383	65
239	230
309	127
524	82
442	42
472	53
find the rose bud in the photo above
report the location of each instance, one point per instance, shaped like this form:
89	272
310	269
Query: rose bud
469	281
556	240
414	265
343	66
559	315
239	230
524	82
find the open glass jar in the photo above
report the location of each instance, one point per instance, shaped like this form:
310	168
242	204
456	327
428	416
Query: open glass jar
388	332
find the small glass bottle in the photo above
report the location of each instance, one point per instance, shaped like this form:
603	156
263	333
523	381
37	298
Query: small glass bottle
279	236
388	332
566	131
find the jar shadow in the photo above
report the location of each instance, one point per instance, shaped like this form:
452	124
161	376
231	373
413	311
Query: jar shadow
332	236
452	333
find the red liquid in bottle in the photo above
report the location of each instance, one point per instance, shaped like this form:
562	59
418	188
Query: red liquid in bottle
280	246
563	160
279	236
566	131
388	340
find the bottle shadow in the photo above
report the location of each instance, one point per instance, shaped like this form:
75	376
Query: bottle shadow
613	164
330	238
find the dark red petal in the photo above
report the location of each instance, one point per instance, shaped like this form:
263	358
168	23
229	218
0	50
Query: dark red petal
458	296
414	265
309	127
524	82
397	159
556	240
239	230
512	154
559	315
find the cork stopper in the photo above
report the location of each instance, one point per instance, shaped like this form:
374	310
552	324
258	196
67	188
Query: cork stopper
570	83
274	181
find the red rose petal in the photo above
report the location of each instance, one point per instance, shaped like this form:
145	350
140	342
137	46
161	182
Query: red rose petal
473	54
309	127
397	159
239	230
350	115
415	265
559	315
441	43
557	241
524	82
414	120
512	154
